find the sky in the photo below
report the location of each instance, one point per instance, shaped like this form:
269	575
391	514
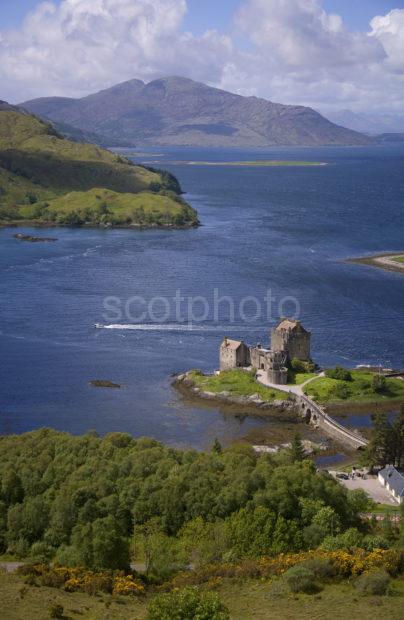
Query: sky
329	54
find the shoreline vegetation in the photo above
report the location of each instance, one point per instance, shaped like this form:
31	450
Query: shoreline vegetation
233	387
389	261
47	181
239	387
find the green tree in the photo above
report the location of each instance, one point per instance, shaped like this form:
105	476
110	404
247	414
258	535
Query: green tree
187	604
3	527
339	372
100	545
204	542
398	439
341	390
328	521
250	532
217	446
163	555
297	451
11	487
401	530
379	449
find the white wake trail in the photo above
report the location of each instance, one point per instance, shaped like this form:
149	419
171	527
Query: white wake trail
152	327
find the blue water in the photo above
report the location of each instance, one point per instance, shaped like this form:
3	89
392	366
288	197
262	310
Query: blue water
287	230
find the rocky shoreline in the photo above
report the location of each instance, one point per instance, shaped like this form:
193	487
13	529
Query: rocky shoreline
187	386
133	226
256	405
32	239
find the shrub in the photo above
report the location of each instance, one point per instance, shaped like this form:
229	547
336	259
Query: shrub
56	611
82	580
301	366
320	567
187	604
298	365
301	579
379	384
370	543
31	198
375	582
340	373
278	589
42	552
341	390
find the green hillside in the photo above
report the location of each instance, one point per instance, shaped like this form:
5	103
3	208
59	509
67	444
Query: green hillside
38	167
99	206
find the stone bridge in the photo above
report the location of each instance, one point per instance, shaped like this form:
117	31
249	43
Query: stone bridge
315	415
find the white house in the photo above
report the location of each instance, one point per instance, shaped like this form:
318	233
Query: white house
393	480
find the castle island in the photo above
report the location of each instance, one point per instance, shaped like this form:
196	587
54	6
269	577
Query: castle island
282	378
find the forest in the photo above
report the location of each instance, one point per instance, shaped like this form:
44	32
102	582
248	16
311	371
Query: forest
102	502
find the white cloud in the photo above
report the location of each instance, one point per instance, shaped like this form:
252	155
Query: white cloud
296	52
301	54
389	31
84	45
299	33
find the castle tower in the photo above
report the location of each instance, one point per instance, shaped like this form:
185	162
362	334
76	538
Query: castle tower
290	337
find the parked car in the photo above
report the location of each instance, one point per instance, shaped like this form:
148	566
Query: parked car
342	476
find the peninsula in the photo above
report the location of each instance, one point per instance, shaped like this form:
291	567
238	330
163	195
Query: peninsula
47	180
390	261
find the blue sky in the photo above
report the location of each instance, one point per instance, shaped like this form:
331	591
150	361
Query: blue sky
205	14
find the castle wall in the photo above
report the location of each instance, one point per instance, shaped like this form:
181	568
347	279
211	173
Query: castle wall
228	358
278	376
258	358
234	358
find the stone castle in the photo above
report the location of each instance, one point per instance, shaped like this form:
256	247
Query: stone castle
289	340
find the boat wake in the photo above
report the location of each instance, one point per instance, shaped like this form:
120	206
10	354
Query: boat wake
180	327
165	327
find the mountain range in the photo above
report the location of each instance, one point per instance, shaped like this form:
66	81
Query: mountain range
179	111
369	123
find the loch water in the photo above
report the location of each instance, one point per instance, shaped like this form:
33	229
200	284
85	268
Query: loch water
287	230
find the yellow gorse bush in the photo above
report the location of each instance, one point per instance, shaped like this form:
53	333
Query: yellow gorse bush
346	564
83	580
127	585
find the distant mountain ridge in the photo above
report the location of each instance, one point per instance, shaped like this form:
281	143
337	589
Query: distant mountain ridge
178	111
368	123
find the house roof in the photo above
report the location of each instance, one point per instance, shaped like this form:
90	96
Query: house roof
232	344
394	478
289	325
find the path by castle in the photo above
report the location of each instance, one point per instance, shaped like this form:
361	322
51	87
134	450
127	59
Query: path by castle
314	412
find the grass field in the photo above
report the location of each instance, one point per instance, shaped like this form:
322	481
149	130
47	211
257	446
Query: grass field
246	600
360	389
237	383
300	377
106	206
398	259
